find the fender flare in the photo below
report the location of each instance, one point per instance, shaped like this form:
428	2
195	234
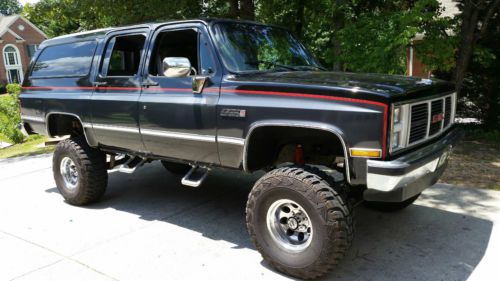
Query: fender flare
84	125
297	124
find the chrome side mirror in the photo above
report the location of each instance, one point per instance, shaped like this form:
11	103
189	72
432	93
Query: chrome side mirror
176	67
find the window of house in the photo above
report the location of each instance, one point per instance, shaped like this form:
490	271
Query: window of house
123	55
73	59
13	65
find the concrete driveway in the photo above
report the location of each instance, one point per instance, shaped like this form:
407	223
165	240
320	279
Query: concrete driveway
149	227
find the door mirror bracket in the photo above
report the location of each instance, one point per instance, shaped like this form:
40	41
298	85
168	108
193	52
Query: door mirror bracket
199	83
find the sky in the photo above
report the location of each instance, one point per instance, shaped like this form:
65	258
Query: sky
27	1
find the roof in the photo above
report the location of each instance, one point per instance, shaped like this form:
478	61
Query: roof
7	21
101	33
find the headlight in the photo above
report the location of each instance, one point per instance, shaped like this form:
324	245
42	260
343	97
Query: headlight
399	126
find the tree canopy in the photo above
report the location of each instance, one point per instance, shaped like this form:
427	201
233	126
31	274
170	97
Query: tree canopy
347	35
10	7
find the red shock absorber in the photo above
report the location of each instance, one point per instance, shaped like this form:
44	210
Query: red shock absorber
299	155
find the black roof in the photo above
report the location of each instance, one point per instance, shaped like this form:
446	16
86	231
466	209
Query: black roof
100	33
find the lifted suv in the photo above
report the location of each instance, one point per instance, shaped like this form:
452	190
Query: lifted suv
200	94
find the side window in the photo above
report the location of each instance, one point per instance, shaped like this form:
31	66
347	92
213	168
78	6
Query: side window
123	55
176	43
73	59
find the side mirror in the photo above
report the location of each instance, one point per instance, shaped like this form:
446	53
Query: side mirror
176	67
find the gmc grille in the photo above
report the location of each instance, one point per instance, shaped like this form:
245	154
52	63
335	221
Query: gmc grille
429	118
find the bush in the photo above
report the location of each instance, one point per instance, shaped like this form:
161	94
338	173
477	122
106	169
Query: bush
13	89
10	116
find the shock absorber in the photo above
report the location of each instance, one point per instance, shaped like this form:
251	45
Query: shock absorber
299	155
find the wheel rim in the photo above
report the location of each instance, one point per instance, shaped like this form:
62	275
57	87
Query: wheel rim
289	225
69	173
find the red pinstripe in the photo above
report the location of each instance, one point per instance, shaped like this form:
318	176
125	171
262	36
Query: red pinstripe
247	92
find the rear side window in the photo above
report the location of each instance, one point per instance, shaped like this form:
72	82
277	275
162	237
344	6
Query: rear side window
72	59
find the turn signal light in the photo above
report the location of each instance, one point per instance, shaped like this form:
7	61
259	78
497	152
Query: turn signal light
370	153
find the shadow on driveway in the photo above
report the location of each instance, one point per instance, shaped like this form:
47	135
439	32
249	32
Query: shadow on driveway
418	243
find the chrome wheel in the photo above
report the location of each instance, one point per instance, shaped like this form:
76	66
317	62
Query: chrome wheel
69	173
289	225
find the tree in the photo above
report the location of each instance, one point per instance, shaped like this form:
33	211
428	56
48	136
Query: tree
10	7
475	18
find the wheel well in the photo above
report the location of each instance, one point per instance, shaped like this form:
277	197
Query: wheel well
64	124
272	145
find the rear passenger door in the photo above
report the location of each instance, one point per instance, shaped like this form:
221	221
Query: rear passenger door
115	118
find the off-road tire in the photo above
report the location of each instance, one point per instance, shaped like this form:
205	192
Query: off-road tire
92	171
328	211
176	168
390	206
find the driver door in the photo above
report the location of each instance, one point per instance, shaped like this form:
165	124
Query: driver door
176	122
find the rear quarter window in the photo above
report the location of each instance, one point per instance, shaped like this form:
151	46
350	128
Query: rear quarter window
72	59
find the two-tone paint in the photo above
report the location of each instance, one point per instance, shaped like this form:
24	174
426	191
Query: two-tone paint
163	118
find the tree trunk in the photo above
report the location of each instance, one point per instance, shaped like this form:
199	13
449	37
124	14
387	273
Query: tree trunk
300	17
467	32
338	24
234	10
247	10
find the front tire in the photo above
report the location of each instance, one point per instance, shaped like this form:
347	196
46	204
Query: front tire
80	171
299	223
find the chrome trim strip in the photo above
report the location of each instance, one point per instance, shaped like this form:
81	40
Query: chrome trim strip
115	128
307	125
231	140
32	118
177	135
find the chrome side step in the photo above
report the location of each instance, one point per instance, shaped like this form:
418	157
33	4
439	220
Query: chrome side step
131	165
195	176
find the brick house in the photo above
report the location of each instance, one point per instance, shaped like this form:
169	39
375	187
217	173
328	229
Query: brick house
19	39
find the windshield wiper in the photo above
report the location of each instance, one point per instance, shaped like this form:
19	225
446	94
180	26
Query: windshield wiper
271	63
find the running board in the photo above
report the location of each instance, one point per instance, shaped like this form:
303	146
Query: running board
131	165
195	176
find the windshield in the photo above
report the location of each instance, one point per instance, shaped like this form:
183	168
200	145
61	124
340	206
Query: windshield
250	47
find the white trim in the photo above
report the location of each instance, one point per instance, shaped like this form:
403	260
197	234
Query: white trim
230	140
410	71
177	135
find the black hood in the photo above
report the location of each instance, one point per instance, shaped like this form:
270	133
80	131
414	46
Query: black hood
381	85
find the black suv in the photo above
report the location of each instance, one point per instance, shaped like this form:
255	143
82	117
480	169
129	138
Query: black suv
201	94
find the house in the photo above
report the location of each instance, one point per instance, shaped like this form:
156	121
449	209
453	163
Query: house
414	67
19	39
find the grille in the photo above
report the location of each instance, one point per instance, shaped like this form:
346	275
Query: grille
436	117
429	118
418	122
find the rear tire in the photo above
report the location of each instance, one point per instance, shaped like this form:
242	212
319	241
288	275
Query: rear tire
176	168
390	206
288	201
80	171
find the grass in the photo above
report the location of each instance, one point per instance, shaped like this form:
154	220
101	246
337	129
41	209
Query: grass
27	148
4	139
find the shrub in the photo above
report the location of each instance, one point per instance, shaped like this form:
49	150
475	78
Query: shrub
10	116
13	89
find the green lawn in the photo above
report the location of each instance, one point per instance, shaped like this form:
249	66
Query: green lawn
27	148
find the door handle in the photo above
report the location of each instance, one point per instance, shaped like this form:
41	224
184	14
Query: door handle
100	83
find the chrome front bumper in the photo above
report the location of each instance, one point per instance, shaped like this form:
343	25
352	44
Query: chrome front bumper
410	174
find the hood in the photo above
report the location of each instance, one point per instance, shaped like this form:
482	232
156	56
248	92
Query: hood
382	85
